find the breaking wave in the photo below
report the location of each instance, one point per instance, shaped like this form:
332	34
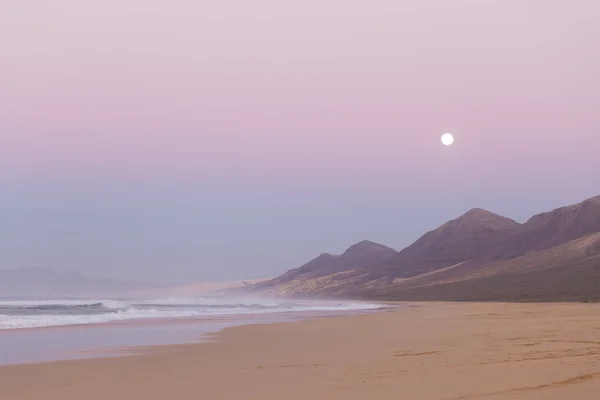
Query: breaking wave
45	313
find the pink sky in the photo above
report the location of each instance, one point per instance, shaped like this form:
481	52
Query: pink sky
190	85
321	95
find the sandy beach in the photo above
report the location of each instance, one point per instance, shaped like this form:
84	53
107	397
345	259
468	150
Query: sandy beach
434	351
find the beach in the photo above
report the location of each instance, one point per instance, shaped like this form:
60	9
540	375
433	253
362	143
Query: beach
33	331
437	351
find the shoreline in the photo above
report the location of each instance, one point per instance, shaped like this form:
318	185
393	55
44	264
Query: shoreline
119	338
370	306
445	351
198	319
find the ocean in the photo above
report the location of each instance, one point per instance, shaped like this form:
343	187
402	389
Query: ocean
19	314
84	328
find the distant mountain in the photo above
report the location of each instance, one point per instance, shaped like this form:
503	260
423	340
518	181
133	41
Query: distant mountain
42	282
478	256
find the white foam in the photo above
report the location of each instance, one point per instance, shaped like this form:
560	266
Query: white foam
114	304
126	311
38	321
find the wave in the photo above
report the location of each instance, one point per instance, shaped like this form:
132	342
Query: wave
38	321
34	314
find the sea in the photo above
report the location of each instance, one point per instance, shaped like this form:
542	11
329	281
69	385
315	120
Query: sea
59	329
18	314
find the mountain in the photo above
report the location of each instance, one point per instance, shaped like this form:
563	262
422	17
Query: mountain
477	256
42	282
477	234
362	255
567	272
555	227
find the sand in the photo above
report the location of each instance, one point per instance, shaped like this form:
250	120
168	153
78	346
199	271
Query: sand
435	351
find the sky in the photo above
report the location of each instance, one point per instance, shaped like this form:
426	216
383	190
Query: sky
223	140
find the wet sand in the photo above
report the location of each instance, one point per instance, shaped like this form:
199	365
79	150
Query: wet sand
435	351
118	338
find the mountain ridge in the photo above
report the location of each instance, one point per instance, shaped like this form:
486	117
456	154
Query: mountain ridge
364	254
478	246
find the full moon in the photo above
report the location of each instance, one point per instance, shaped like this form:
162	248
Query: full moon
447	139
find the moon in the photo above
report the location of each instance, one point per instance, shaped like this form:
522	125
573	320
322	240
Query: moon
447	139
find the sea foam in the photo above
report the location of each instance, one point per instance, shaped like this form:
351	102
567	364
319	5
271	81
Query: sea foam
16	314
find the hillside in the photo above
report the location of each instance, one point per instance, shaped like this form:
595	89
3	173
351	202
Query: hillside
567	272
480	255
362	255
477	234
555	227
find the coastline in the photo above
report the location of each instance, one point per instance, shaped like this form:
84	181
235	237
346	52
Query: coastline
118	338
445	351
